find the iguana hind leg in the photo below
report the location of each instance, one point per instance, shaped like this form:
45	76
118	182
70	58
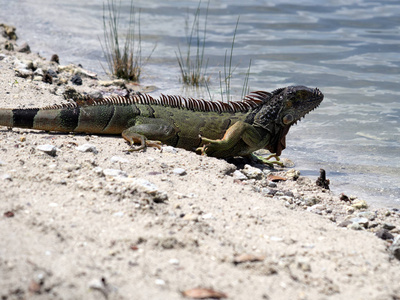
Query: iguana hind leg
148	135
238	131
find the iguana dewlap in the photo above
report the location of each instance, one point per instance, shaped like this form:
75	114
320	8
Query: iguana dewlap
218	129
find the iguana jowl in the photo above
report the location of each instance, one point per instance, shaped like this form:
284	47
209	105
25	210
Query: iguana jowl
261	120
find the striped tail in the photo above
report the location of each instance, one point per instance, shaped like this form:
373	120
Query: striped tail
34	118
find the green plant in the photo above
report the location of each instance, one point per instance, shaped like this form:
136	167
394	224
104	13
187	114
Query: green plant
225	83
124	59
193	71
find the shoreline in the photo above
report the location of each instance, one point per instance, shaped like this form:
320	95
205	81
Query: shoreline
102	223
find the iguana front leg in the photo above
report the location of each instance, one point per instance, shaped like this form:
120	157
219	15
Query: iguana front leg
148	134
251	137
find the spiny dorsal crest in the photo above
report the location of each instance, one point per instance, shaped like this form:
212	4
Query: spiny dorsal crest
251	101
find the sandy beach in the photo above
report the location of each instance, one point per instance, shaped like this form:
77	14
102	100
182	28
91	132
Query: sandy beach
85	219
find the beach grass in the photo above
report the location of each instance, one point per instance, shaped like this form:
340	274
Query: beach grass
123	55
193	67
226	75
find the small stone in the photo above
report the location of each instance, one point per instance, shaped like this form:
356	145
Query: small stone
268	192
207	216
159	282
286	199
48	149
355	226
191	217
179	171
252	172
367	214
118	214
310	201
169	149
76	79
114	173
38	72
174	261
345	223
361	221
349	209
384	234
52	73
24	48
359	204
317	208
293	174
395	247
118	159
239	175
388	226
272	184
87	148
2	163
24	73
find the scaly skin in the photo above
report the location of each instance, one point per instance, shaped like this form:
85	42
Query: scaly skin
217	129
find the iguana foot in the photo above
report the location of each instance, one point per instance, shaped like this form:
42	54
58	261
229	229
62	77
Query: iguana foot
267	160
211	146
145	144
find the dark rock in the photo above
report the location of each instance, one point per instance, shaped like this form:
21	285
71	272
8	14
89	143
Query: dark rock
344	198
55	58
395	247
8	32
388	226
52	73
76	79
345	223
384	234
9	46
47	78
24	48
322	181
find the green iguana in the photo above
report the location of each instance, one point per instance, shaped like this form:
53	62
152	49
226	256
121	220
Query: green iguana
260	120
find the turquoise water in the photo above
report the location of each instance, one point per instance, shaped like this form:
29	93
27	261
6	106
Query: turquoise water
348	49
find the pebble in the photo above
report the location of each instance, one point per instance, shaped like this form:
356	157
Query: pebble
2	163
268	192
359	204
48	149
310	201
179	171
76	79
87	148
361	221
142	184
395	247
114	173
6	176
293	174
119	159
252	172
239	175
384	234
317	208
52	73
355	226
367	214
388	226
174	261
169	149
159	282
24	73
24	48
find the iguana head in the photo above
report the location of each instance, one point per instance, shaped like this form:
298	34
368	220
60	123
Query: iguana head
284	108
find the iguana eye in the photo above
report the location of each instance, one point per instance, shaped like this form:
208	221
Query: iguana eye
287	119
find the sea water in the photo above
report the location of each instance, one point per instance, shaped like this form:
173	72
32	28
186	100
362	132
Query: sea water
349	49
